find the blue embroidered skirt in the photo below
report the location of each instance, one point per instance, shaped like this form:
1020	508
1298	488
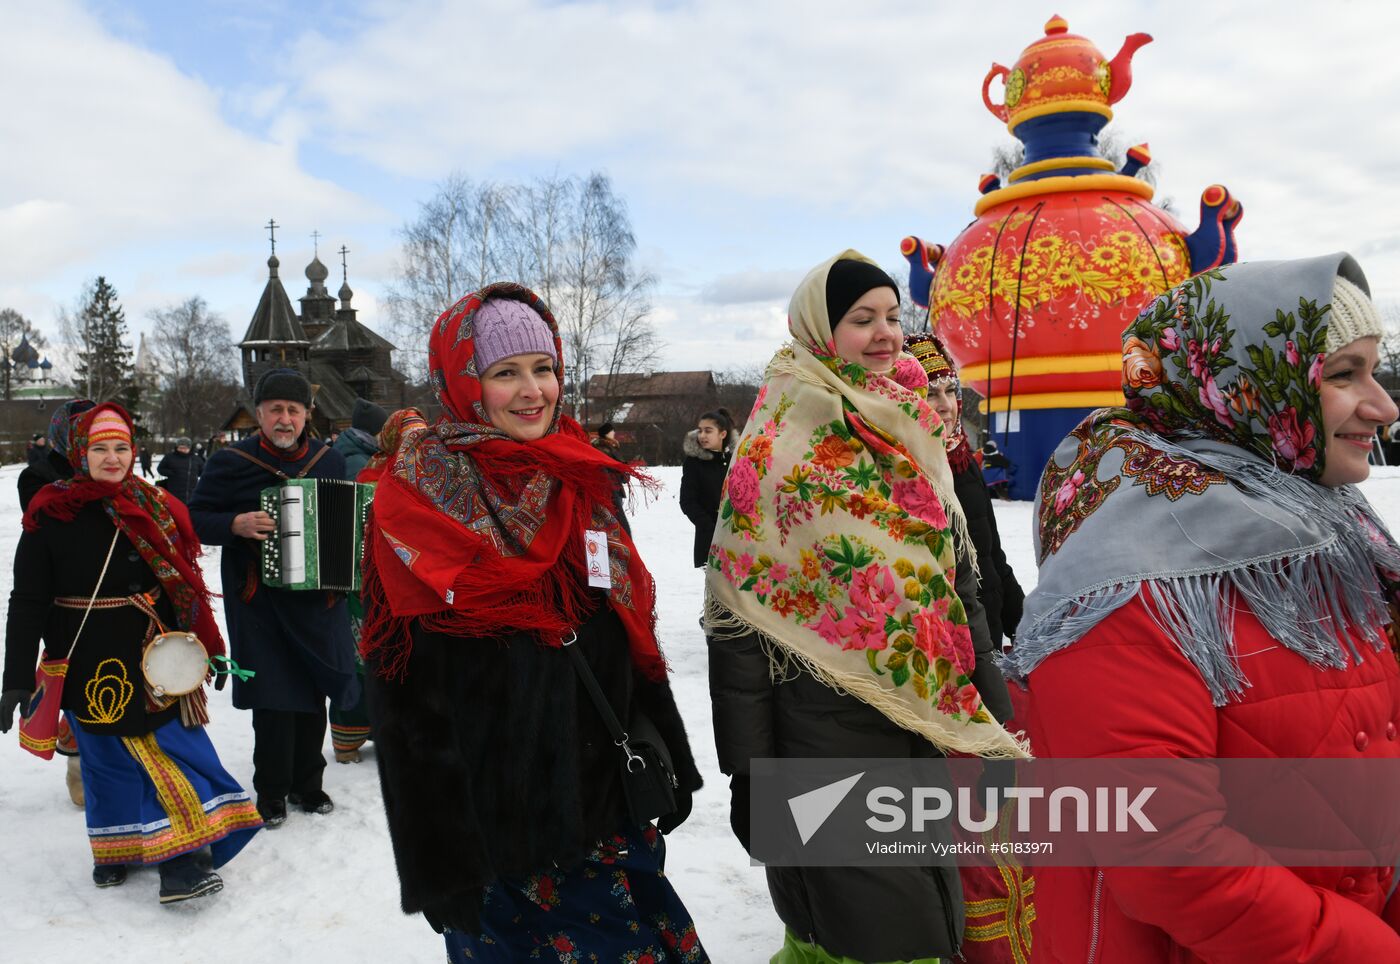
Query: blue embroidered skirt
617	906
154	797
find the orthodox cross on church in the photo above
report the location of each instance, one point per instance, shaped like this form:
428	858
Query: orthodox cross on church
315	244
344	271
272	226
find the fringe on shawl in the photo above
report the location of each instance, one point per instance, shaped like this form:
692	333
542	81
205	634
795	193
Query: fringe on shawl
784	662
1309	600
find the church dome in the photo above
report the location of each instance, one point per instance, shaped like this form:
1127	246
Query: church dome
316	272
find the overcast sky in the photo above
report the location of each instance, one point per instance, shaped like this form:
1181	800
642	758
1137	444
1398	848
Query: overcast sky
150	141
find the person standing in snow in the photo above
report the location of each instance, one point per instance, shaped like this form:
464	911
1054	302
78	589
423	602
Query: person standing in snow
839	461
111	543
502	785
707	448
298	641
181	470
358	443
1213	585
145	459
606	439
55	465
998	591
350	729
33	478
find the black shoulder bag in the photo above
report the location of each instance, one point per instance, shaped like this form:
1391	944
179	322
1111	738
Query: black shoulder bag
648	776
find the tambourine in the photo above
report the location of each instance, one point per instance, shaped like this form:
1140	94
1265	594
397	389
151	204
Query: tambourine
174	663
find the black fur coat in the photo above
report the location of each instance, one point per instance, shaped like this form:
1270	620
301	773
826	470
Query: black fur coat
495	763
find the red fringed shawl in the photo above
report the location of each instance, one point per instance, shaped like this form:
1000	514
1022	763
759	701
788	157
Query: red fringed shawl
155	522
475	534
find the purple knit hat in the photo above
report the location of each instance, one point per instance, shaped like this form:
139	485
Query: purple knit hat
503	327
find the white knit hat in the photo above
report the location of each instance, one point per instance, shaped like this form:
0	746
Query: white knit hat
1352	316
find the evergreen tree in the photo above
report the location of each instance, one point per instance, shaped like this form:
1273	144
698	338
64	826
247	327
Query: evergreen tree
105	360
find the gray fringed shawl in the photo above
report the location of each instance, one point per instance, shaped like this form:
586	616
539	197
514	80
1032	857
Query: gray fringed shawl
1201	513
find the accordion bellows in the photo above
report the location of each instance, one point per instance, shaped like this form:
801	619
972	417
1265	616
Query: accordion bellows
320	533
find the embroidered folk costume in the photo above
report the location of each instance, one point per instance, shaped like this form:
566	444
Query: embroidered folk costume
835	540
501	784
155	790
1204	593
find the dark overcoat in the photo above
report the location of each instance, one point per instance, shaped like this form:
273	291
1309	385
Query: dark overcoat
494	762
861	913
297	641
36	475
181	471
702	487
999	592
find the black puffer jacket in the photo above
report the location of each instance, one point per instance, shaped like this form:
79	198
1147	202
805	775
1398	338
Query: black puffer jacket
1000	594
864	913
494	761
702	482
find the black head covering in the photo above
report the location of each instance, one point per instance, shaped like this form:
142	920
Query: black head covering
847	281
284	383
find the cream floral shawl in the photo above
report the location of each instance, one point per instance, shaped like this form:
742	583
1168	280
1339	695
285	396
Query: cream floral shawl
835	539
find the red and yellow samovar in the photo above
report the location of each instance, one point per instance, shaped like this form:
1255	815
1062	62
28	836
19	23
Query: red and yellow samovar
1032	297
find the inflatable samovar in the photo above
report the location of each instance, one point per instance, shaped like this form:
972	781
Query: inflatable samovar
1032	297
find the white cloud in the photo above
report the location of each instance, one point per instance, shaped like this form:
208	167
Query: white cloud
110	146
743	287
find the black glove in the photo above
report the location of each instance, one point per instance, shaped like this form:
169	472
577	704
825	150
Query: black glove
9	701
220	680
740	791
684	800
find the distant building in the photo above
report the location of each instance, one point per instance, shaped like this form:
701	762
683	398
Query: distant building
339	355
650	411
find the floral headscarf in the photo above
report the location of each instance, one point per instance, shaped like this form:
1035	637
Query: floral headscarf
1203	488
835	538
401	423
479	535
937	366
62	422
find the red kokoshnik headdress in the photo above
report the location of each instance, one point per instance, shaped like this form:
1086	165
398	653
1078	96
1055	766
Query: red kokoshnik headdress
477	534
156	523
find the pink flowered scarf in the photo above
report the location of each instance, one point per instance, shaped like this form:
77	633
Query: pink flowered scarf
1201	493
835	539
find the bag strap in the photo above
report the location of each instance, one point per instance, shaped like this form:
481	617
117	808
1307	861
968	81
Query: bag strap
605	710
278	472
314	459
116	534
259	462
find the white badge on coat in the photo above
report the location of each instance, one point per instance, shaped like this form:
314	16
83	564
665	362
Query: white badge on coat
596	545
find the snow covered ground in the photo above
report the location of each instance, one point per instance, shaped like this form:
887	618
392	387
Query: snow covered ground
324	888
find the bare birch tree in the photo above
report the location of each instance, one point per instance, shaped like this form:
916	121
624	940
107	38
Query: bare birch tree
455	245
567	238
193	353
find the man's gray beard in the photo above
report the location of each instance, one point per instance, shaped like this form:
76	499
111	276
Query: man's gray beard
278	443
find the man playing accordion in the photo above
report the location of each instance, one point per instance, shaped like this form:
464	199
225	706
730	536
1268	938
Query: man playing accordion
297	641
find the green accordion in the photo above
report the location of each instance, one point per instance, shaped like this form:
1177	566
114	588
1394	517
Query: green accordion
319	535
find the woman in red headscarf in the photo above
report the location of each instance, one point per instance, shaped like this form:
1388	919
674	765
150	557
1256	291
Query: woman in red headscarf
109	542
501	780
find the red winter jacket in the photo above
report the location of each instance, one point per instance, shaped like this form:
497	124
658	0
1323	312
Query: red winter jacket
1125	690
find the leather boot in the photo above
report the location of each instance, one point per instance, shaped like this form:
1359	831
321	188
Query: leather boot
74	779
